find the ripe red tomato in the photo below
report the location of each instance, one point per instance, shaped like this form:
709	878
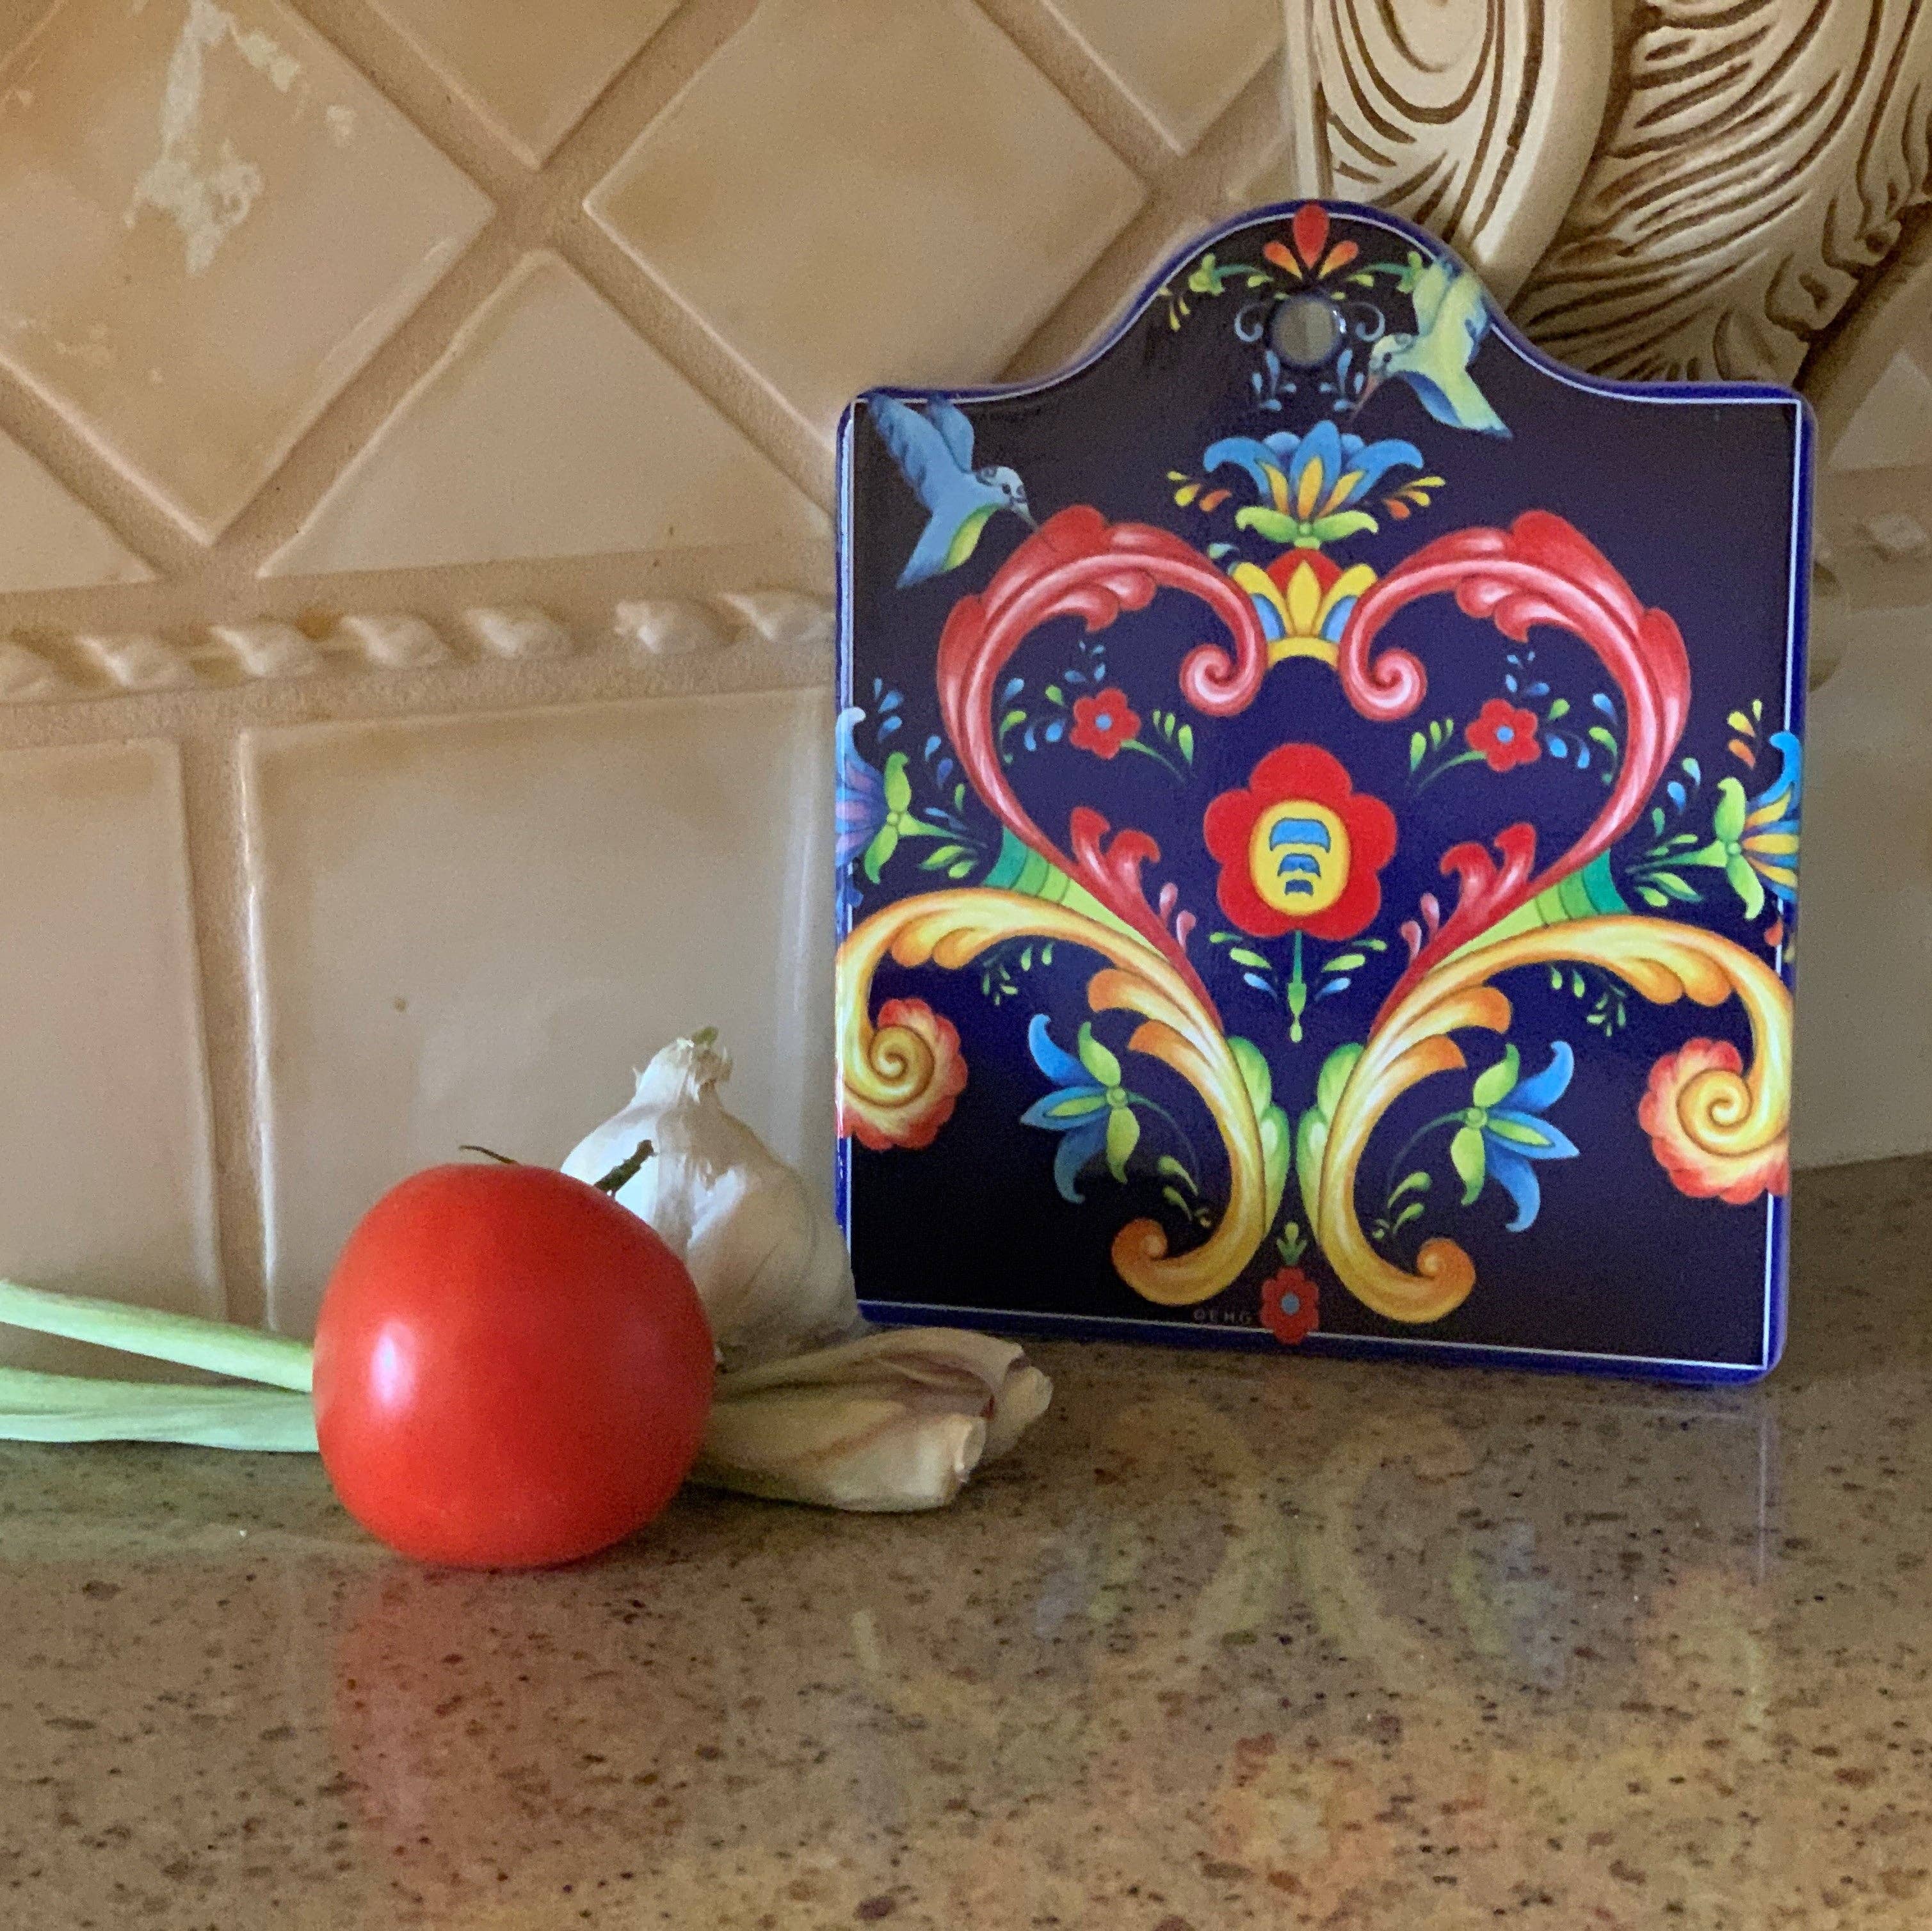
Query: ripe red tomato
511	1369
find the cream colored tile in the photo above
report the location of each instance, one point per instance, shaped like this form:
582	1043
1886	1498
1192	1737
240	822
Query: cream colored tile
1182	64
208	220
1892	429
48	540
1864	901
863	191
531	70
105	1162
549	429
473	929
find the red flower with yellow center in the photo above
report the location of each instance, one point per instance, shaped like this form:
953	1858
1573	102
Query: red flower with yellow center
1103	724
1504	735
1291	1306
1301	850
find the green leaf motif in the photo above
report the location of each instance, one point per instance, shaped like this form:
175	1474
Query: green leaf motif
1347	962
1081	1105
1276	525
1334	1076
882	847
1412	1212
1656	900
1055	695
1184	737
1466	1156
1668	882
1095	1058
1343	522
1418	748
1746	884
942	855
1559	708
1311	1138
1123	1136
899	785
1241	955
1168	1165
1255	1074
960	869
1499	1079
1276	1139
1728	820
1522	1136
1417	1183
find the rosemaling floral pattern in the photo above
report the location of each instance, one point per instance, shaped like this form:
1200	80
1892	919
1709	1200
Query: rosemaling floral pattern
1268	1081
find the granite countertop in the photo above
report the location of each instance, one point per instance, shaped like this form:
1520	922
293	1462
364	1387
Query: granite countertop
1230	1641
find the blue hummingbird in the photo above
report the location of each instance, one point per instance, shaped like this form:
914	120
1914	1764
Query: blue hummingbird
1452	316
934	452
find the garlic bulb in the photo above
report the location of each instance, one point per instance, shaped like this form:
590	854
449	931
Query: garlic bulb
895	1421
891	1420
767	1254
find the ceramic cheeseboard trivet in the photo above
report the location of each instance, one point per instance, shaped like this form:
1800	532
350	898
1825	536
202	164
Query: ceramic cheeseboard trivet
1317	830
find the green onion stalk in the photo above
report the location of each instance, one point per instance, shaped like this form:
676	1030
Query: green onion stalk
271	1408
266	1403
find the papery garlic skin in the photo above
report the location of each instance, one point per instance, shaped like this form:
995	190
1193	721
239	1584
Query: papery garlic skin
767	1257
893	1421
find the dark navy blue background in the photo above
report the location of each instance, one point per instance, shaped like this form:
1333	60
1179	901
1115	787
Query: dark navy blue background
1693	500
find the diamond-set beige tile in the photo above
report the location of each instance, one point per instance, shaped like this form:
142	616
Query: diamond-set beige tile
549	427
49	539
530	67
1181	64
473	929
105	1165
209	221
860	191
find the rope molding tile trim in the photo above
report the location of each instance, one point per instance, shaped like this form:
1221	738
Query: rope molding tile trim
36	668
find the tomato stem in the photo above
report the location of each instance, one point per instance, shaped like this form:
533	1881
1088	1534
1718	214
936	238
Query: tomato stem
490	1153
622	1175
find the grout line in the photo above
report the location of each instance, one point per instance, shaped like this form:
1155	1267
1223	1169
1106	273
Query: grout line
732	386
1051	45
218	872
1197	190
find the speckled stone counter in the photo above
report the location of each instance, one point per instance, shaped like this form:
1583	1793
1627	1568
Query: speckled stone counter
1231	1642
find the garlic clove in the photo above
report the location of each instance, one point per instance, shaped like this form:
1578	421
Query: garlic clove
894	1421
839	1449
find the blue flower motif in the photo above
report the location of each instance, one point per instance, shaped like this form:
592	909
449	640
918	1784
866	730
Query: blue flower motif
1309	484
1089	1109
861	811
1755	840
1503	1131
873	809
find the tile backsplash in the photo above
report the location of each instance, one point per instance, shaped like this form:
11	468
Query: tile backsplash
416	460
